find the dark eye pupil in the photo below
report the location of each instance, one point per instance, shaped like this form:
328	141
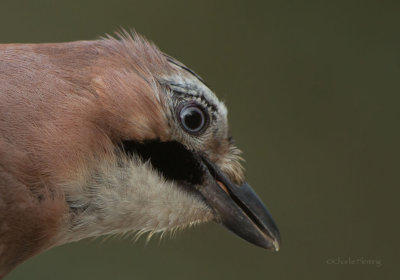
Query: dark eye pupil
192	118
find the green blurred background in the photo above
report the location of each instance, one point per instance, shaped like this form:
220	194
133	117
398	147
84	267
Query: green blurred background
313	93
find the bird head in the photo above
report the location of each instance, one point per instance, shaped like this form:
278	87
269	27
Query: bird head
171	162
123	138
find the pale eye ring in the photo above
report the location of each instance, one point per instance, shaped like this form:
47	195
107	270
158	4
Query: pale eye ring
193	118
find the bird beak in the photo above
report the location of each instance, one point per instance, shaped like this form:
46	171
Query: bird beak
239	209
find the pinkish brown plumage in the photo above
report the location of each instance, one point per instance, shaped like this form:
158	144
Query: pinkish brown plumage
68	114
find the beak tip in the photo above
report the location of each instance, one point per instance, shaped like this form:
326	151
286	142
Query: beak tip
276	245
271	245
272	239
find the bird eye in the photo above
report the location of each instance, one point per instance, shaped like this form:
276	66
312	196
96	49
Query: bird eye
193	118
